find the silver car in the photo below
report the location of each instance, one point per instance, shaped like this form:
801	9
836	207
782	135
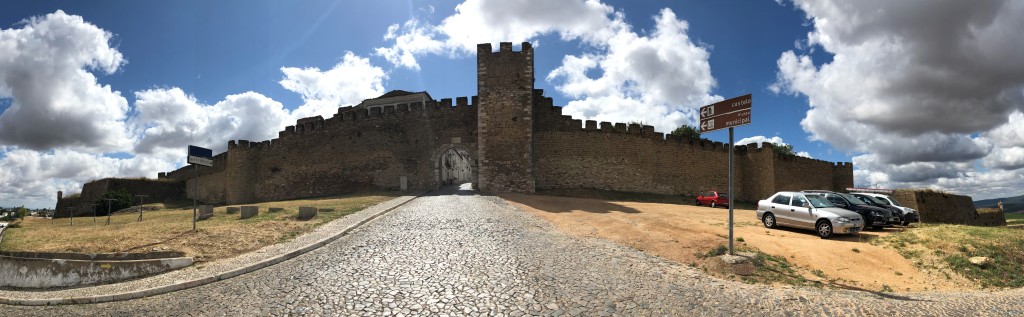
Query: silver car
807	211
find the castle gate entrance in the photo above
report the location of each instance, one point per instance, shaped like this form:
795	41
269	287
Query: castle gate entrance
455	166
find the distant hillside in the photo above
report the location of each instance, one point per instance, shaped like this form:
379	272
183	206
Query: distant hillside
1010	204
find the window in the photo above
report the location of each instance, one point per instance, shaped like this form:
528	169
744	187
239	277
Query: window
798	201
835	200
781	199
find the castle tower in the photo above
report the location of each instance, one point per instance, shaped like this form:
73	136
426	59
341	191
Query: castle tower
241	173
505	119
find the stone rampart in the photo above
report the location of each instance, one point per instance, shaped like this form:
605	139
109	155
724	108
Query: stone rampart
158	190
633	158
939	207
355	149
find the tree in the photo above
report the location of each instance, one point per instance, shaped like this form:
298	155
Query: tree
783	149
122	199
686	132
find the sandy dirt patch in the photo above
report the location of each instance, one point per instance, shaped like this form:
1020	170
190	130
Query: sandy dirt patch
680	232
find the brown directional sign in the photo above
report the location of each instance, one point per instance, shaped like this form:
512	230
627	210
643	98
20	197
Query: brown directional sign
726	114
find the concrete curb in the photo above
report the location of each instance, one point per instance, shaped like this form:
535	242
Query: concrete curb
182	285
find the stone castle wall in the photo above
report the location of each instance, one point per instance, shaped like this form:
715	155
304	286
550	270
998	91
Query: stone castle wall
158	191
515	140
634	158
938	207
354	150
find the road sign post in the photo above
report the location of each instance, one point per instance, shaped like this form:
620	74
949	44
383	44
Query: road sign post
727	114
197	156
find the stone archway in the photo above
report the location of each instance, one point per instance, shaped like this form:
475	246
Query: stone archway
454	166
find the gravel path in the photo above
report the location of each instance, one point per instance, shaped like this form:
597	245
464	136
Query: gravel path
460	254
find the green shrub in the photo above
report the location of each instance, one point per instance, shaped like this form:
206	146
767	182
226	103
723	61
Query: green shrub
121	199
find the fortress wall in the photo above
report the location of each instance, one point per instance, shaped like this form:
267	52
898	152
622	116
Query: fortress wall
797	173
939	207
630	158
633	158
158	191
188	172
212	188
354	150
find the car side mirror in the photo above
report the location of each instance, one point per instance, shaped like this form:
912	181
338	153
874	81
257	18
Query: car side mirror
806	205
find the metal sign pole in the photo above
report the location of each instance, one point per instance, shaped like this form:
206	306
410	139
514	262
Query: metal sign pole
731	192
195	195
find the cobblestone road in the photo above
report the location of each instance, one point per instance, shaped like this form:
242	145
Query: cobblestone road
459	254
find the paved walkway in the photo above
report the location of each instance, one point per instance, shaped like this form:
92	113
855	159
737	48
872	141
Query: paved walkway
460	254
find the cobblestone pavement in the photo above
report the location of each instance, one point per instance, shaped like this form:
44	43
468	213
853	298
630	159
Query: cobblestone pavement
460	254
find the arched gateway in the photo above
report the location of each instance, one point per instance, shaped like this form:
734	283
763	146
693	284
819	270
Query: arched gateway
453	165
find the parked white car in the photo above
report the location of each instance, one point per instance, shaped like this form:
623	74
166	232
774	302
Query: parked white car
909	214
808	211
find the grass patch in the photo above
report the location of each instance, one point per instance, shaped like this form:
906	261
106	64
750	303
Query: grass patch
1014	219
948	248
170	228
763	268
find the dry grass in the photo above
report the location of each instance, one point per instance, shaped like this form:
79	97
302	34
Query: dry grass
947	248
221	236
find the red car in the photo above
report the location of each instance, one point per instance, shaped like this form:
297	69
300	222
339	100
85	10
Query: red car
713	199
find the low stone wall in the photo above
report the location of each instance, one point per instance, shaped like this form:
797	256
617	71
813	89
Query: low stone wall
938	207
54	270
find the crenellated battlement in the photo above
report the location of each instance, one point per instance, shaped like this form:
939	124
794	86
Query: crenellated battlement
351	115
517	140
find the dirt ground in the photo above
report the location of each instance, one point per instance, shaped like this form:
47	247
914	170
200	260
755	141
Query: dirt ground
680	232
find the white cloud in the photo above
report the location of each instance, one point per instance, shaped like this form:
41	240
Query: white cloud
347	83
169	120
492	21
32	178
657	77
660	78
760	140
922	88
62	124
45	69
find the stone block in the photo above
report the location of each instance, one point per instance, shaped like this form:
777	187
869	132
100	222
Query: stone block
306	213
250	211
205	212
275	209
232	210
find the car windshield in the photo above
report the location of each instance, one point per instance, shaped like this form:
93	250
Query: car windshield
853	199
879	201
870	200
818	202
894	202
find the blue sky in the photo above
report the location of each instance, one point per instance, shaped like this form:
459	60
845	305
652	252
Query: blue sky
208	59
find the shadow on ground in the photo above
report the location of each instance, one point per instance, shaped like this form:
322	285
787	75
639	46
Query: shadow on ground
561	204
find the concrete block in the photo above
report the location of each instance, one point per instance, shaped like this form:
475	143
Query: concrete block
275	209
205	212
306	213
250	211
232	210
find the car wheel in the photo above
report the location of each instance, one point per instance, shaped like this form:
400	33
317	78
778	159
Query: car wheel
906	223
696	202
713	205
824	229
768	220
